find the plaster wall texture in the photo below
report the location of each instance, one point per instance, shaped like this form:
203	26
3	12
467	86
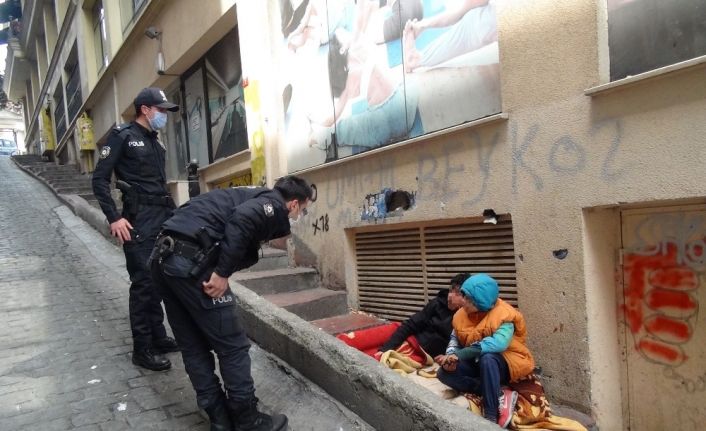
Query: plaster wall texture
559	152
601	243
103	113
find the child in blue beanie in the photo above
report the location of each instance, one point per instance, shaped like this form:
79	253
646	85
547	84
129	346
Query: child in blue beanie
487	349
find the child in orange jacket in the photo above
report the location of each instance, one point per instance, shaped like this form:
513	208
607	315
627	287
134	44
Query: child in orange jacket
487	349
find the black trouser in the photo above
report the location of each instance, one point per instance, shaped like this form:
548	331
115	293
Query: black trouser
201	324
146	314
483	377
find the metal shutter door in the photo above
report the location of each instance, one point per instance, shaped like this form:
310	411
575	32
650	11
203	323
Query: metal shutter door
399	270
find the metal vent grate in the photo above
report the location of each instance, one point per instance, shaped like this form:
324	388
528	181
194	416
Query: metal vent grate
400	270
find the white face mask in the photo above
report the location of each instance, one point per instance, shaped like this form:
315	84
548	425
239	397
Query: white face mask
301	212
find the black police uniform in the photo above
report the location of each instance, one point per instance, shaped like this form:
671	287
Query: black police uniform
238	219
138	158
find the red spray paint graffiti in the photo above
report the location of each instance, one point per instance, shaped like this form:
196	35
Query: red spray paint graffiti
659	302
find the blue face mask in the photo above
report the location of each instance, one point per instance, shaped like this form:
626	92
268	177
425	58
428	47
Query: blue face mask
158	121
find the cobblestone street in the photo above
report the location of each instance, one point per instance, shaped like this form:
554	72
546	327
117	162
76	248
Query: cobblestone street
66	344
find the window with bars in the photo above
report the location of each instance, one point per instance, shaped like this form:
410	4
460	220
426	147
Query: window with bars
400	269
59	112
73	92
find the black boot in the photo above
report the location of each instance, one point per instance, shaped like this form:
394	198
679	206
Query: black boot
218	415
147	358
165	345
246	417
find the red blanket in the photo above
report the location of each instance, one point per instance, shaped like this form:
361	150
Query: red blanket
370	340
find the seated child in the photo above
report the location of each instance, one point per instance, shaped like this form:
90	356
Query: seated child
431	326
487	349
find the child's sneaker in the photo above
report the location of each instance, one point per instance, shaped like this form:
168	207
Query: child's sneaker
507	402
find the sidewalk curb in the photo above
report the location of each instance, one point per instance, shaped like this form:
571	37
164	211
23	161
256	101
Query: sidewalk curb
78	205
381	397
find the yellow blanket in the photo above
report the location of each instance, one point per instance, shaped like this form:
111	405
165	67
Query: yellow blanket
401	361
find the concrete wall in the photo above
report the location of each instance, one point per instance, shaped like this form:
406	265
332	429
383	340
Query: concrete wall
601	260
103	113
559	153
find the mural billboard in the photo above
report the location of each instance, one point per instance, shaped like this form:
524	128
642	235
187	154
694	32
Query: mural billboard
363	74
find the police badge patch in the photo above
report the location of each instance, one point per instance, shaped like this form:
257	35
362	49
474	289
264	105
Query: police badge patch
269	211
105	152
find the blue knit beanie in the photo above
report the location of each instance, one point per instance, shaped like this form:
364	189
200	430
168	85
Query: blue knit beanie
482	289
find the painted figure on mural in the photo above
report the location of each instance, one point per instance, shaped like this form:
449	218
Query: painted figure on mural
347	90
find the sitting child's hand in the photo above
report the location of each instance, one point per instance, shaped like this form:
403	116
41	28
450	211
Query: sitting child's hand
450	363
439	359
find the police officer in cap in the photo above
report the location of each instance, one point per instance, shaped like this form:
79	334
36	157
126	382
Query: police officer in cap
137	157
208	238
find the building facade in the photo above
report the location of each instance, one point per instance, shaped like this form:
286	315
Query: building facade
557	146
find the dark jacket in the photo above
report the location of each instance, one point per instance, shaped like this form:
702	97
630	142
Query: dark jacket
431	326
240	218
137	157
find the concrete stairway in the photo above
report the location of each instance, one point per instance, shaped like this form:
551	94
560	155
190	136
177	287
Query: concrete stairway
294	289
62	179
297	290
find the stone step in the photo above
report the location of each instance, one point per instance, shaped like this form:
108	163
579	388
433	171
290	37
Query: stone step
347	323
57	170
70	179
51	165
71	183
58	177
311	304
58	174
277	280
270	258
28	158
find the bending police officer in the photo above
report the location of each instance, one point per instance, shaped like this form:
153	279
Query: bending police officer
137	157
207	239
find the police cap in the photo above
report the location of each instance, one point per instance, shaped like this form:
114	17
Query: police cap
153	96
